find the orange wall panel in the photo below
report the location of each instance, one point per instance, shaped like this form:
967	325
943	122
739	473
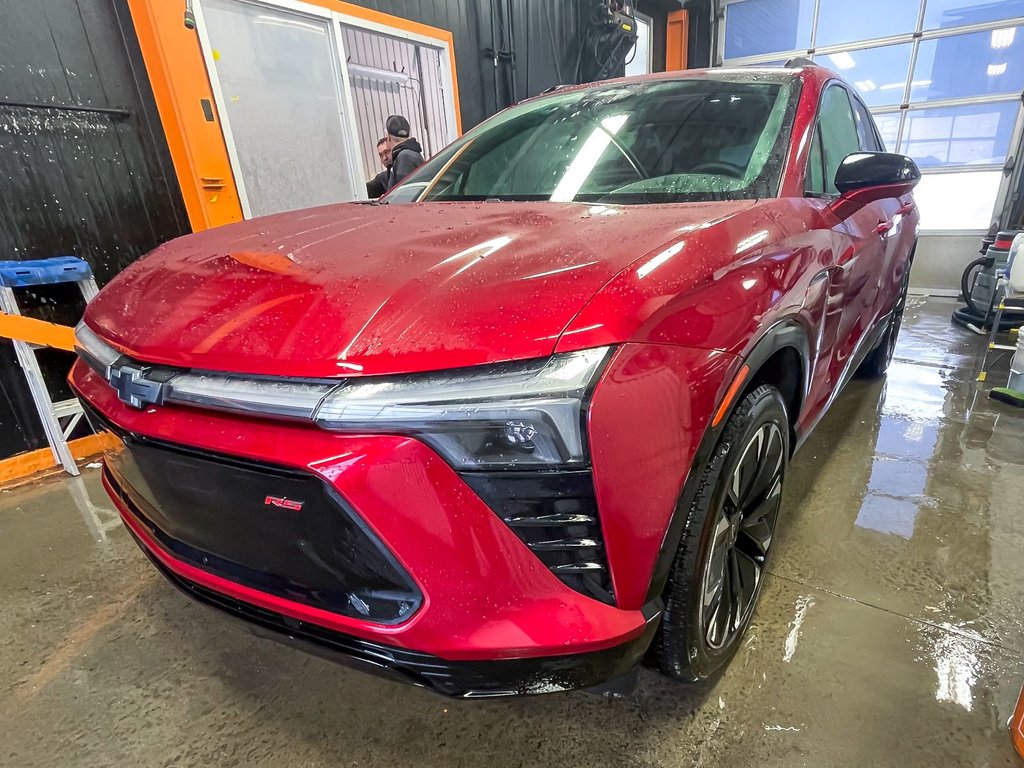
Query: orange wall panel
180	83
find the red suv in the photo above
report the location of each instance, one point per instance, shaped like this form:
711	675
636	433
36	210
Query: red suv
520	433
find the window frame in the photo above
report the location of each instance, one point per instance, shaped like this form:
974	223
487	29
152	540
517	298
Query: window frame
816	129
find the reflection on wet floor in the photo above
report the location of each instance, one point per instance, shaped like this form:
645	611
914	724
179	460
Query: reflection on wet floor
891	631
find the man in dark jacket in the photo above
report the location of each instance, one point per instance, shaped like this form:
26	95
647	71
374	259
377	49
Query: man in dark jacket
378	185
406	152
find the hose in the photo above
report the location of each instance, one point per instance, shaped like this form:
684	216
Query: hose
965	318
972	317
967	283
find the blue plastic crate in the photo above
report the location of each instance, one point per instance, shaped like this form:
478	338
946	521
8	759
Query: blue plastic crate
59	269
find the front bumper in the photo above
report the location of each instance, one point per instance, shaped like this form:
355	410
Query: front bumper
490	618
462	679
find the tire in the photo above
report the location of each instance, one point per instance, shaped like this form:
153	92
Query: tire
722	540
877	362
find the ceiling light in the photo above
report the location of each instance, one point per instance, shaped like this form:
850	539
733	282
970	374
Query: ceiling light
843	60
865	85
1003	38
994	70
375	73
913	84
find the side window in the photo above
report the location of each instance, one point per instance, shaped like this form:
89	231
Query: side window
866	129
814	182
838	132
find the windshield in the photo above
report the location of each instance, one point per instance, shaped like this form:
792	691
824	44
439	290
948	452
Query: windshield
650	142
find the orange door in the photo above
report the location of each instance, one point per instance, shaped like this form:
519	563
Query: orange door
677	36
1017	725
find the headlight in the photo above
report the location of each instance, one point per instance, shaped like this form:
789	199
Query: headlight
525	414
516	414
97	354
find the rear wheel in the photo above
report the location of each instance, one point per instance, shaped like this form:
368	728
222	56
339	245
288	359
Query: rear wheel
720	564
878	360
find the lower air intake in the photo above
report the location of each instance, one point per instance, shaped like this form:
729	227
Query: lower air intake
555	515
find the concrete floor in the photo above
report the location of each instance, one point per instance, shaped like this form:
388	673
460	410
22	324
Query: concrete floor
891	631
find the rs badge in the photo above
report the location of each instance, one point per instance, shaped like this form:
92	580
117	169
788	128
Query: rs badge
283	503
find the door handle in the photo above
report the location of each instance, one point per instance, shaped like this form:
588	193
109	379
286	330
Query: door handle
883	227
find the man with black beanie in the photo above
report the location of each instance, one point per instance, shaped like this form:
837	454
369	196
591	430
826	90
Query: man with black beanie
406	152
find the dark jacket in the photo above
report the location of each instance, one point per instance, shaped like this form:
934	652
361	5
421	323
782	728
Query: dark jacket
405	158
378	185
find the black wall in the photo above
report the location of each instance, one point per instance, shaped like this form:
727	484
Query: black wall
544	36
84	168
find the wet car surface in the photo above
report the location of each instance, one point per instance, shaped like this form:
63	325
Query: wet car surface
890	630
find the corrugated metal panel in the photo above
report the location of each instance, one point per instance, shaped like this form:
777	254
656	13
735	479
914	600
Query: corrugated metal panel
546	32
390	76
460	18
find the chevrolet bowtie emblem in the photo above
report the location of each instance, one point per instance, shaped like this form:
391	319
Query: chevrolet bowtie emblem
133	388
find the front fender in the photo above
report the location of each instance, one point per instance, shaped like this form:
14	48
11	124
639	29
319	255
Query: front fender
650	430
648	415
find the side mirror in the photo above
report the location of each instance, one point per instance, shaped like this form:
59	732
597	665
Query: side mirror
864	177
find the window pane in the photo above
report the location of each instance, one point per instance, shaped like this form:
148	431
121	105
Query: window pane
278	71
838	131
754	27
815	181
878	74
970	65
841	21
940	14
957	200
888	126
865	130
975	134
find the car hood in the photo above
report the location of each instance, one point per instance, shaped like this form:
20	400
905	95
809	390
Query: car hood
367	289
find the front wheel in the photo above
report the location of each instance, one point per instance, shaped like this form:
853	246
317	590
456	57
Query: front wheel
720	564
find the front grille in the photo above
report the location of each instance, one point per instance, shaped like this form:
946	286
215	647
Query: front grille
555	515
219	514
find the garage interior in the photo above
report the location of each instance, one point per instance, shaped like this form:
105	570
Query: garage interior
890	628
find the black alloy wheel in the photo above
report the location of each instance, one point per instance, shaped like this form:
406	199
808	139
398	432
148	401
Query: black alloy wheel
742	536
725	548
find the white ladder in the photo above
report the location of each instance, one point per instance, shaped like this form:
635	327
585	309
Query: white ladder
28	274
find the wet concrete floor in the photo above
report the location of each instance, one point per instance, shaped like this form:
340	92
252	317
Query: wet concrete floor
891	631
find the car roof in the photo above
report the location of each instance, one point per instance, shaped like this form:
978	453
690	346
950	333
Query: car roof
776	74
